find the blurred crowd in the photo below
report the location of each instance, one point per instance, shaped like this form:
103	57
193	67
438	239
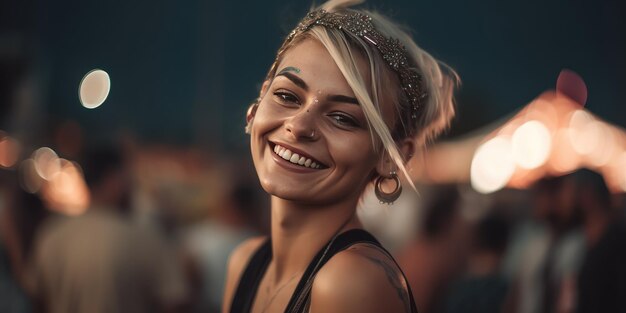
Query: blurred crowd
558	247
159	222
153	236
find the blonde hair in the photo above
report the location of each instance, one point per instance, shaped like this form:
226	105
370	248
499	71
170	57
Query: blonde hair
439	81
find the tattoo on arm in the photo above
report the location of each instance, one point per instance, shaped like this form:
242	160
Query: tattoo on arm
396	281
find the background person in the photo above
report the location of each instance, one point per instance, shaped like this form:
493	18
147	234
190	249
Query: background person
100	261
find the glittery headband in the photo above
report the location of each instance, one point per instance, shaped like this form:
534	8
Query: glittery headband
392	51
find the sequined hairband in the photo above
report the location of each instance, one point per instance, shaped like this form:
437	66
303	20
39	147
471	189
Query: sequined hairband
392	51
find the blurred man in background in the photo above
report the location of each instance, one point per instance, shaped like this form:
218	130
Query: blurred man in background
100	261
602	280
211	242
483	287
552	252
21	214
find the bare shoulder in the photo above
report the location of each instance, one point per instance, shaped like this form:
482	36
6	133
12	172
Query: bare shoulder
360	279
237	261
242	253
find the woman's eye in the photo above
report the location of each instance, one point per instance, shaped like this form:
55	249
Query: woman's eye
344	120
286	97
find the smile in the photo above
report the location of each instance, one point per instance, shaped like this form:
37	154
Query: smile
296	158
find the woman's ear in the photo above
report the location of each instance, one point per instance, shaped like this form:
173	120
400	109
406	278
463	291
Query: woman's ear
407	148
386	165
252	111
253	107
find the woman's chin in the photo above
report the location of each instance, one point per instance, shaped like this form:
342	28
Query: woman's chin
290	193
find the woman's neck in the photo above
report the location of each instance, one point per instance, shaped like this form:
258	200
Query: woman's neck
300	231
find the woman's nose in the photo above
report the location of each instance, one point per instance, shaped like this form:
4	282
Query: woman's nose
302	125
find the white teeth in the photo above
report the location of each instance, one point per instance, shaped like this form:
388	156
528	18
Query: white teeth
287	154
294	157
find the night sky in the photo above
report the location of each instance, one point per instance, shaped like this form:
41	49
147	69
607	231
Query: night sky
184	72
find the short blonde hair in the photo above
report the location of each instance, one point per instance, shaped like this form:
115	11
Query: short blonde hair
439	80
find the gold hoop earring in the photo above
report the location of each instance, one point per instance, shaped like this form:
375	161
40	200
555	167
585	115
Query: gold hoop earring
388	198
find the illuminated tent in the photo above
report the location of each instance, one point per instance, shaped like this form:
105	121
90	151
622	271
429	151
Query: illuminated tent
552	135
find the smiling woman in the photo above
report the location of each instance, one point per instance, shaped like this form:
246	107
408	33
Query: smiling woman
348	100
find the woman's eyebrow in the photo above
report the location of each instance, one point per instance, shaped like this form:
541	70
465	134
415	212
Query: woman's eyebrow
286	72
292	77
341	98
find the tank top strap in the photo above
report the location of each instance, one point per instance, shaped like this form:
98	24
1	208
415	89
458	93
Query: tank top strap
300	300
251	278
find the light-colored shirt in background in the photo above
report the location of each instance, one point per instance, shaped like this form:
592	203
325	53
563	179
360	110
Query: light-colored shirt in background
100	262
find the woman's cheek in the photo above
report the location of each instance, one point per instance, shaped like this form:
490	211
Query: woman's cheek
354	150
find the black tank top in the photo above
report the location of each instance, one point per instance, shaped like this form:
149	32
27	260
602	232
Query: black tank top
299	302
